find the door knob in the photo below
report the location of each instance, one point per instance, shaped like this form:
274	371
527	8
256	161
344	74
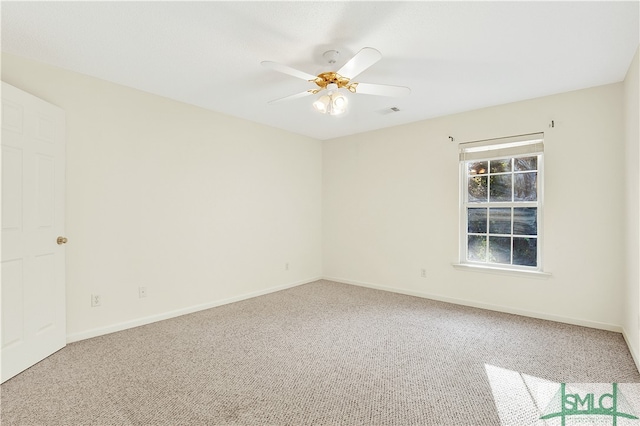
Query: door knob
61	240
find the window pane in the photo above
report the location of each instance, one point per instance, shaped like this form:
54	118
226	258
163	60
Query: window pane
500	188
525	221
477	248
478	168
526	163
525	251
525	186
477	221
500	166
500	249
500	221
477	189
502	210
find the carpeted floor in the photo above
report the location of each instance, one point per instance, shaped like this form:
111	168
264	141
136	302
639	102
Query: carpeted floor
323	353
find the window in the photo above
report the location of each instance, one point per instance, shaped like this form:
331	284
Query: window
501	202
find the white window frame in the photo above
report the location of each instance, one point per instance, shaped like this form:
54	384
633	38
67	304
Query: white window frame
512	147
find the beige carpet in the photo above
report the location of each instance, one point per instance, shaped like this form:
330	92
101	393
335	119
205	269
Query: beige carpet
319	354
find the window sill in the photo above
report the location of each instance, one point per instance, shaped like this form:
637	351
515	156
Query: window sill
501	271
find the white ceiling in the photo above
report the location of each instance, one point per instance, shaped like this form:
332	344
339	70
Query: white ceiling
455	56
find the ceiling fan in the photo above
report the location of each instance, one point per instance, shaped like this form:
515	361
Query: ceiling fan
334	102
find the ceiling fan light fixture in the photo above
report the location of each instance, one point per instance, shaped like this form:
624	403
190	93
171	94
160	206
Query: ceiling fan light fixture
338	83
333	103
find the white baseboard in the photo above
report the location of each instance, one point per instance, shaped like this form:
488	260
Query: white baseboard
74	337
634	354
183	311
475	304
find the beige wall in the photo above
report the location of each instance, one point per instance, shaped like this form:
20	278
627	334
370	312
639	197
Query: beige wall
197	206
390	208
631	298
203	208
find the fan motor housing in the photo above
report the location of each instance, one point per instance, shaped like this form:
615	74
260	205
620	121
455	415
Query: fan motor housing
326	78
331	77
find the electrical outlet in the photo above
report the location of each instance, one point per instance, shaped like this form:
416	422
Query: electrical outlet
96	300
423	273
142	292
286	266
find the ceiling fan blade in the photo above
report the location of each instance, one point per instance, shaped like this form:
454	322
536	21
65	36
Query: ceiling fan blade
381	90
288	70
296	96
362	60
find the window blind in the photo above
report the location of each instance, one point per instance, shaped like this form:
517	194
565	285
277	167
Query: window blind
502	147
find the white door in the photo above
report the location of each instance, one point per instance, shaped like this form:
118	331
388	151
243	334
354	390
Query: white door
33	263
